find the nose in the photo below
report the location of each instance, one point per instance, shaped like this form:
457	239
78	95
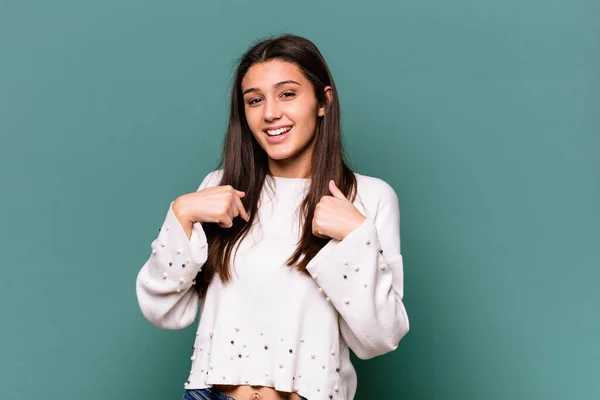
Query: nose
271	110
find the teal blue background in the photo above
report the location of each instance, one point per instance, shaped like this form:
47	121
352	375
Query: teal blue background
483	115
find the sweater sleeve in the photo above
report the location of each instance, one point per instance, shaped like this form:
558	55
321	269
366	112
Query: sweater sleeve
362	275
165	283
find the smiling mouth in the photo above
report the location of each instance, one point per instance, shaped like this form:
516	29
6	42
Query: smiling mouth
278	132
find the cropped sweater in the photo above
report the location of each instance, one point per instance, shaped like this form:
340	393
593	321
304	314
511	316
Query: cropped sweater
271	325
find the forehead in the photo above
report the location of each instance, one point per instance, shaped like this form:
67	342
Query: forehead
266	74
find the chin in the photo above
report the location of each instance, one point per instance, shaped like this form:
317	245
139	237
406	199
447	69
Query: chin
280	155
276	152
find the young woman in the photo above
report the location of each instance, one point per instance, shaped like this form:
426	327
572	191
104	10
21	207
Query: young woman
294	258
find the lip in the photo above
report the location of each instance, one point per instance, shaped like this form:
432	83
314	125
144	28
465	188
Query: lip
280	138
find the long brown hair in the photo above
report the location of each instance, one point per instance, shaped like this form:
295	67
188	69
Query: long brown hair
245	166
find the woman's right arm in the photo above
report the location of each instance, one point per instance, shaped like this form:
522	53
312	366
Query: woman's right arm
165	284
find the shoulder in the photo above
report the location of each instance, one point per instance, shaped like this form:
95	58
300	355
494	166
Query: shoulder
373	187
375	193
213	178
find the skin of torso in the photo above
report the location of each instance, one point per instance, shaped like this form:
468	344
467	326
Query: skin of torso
251	392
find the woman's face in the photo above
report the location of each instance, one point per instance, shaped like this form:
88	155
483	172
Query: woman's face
282	111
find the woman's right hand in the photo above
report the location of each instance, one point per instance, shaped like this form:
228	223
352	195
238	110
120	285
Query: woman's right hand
217	204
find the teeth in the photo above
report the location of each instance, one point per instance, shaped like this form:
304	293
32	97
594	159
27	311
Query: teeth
279	131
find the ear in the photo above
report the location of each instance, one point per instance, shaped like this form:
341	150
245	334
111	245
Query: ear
328	98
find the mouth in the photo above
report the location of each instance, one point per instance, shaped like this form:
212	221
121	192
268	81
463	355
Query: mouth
275	136
278	132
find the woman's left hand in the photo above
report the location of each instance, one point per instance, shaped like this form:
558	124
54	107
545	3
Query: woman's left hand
335	216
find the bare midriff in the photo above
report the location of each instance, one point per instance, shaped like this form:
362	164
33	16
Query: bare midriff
244	392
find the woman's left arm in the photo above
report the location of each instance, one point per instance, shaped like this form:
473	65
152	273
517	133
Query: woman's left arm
363	277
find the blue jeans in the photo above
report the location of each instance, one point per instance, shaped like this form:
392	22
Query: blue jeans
208	394
205	394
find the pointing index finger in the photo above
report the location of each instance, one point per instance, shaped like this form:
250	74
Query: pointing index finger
241	209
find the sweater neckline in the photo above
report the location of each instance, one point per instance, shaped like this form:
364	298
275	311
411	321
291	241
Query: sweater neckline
281	179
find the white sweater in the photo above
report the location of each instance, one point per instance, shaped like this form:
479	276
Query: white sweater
272	325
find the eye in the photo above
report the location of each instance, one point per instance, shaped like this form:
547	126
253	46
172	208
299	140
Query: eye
288	94
253	101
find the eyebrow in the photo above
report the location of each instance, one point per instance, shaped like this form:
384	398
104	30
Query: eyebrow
278	84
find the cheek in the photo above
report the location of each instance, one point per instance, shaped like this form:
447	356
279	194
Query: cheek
308	119
304	114
253	120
